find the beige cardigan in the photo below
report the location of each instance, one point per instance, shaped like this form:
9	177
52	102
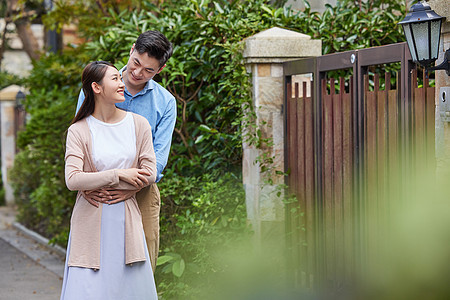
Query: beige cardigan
81	175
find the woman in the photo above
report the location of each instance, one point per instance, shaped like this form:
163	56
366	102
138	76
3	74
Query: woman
107	257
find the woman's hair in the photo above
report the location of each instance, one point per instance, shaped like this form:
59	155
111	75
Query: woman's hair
93	72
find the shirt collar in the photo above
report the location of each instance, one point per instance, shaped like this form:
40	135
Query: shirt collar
150	85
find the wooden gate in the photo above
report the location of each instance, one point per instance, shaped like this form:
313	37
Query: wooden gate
350	145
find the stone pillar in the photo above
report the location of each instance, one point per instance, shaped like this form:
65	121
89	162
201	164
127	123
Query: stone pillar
264	54
8	138
442	8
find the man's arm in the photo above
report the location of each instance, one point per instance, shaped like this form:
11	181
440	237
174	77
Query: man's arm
163	137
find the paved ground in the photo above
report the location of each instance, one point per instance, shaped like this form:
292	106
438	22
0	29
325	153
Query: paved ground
28	270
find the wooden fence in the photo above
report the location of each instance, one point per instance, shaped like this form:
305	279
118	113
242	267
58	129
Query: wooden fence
349	153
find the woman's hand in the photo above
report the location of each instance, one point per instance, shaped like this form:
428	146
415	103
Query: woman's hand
134	176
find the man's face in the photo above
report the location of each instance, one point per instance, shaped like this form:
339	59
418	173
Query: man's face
140	69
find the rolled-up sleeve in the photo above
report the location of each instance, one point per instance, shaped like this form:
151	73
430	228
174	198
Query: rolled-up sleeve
147	157
163	136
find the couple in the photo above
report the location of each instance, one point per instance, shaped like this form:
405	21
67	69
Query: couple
116	150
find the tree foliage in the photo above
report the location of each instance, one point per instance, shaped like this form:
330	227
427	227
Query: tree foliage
7	79
89	16
359	24
23	13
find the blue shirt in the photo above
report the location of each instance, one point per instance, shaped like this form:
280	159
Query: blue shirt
159	107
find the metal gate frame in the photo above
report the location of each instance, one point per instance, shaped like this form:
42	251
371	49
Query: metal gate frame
359	61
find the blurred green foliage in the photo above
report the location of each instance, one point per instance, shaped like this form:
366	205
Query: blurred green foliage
349	26
44	202
7	79
200	215
203	208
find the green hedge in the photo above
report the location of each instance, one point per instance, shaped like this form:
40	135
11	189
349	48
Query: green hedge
44	202
7	79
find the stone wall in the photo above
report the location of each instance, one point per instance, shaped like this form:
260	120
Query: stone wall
15	60
8	135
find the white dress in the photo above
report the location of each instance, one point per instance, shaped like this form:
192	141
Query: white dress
113	147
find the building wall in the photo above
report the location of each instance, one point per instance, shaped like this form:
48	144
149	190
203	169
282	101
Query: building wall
316	5
15	60
442	8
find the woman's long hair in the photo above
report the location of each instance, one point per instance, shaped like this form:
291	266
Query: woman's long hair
93	72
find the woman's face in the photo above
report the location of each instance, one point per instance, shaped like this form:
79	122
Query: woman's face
112	87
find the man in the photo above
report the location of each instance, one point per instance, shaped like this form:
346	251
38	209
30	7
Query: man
148	56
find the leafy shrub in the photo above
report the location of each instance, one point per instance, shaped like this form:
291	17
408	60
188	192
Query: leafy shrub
202	218
206	73
349	26
7	79
55	79
44	202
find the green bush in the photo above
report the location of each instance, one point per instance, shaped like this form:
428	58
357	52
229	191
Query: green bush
206	73
44	202
202	217
349	26
7	79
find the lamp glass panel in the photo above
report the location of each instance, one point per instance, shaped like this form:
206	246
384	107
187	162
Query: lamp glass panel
420	33
435	37
409	40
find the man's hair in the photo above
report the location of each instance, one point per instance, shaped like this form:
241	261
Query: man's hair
155	44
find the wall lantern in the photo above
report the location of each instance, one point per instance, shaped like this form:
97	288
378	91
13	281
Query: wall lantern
20	97
422	28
